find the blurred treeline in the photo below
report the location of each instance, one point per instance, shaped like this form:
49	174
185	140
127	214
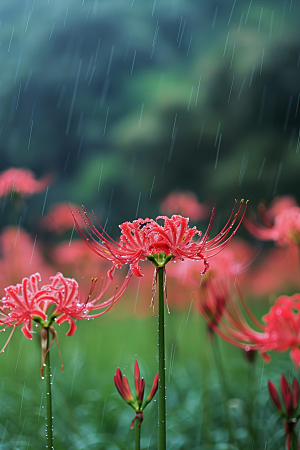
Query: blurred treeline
127	100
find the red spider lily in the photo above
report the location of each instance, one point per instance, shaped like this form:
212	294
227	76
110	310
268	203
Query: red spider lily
26	302
280	333
288	407
145	238
69	306
21	181
122	385
281	223
283	326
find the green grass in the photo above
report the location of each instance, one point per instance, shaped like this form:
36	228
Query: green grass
90	414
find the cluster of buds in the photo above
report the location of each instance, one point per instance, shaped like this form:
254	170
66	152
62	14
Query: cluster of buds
122	385
288	407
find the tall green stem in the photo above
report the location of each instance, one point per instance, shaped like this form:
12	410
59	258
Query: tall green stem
137	434
294	441
161	364
224	388
252	395
49	425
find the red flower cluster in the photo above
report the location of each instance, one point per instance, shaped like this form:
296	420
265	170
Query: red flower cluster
122	385
26	302
21	181
288	408
280	333
145	238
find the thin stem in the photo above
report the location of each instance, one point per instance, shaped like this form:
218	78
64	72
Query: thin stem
294	441
137	434
49	425
252	392
219	365
222	378
161	364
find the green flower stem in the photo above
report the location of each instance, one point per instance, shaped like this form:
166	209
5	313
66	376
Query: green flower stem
137	434
252	395
49	425
294	441
221	372
161	364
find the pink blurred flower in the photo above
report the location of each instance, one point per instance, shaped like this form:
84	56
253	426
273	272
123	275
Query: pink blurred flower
185	204
288	408
21	181
280	333
281	222
20	255
225	269
123	388
145	239
276	271
76	261
58	218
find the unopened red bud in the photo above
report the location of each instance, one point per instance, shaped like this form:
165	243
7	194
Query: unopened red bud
141	391
122	385
136	378
287	396
274	396
153	390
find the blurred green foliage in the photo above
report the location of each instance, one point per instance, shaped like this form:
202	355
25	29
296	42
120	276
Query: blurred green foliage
113	97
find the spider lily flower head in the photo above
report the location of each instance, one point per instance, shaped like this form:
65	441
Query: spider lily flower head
22	182
288	405
70	306
123	388
281	223
57	302
283	327
280	333
146	239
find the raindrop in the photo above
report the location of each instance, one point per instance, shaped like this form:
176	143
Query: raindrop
231	12
260	17
188	50
105	121
248	11
226	44
231	89
215	18
239	96
218	150
142	109
12	33
133	62
232	55
73	98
